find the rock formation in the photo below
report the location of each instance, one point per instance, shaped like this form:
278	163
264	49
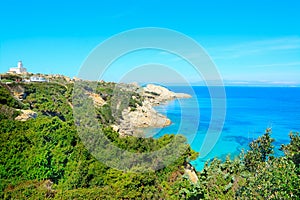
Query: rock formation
145	115
157	94
97	99
26	115
191	172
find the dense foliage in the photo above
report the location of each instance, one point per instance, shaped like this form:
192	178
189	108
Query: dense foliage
45	158
7	99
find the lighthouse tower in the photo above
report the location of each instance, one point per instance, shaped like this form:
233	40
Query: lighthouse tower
20	64
19	69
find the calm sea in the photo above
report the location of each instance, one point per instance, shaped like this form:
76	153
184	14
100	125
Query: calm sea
249	111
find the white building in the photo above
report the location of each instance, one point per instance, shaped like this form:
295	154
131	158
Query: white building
18	70
38	79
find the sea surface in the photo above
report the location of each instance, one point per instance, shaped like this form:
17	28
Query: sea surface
249	112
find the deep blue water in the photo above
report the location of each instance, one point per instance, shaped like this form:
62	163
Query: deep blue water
249	111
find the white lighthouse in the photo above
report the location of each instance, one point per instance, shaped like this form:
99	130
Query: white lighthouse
19	69
20	65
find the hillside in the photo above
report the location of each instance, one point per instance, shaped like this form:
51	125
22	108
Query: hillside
43	157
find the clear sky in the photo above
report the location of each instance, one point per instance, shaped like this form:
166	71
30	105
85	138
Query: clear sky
251	42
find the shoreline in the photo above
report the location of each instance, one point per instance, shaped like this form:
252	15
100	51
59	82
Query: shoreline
145	116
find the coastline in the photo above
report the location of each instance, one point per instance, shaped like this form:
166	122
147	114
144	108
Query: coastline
144	115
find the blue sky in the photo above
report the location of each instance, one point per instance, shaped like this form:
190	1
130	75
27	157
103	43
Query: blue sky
251	42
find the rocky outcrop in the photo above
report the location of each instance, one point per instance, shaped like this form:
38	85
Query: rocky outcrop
157	94
97	99
182	96
26	115
145	115
191	172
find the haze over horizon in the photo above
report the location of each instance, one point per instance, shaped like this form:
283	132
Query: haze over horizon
251	43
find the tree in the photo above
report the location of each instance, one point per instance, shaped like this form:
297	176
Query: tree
260	151
292	150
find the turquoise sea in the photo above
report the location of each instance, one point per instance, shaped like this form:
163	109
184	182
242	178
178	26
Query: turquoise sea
249	111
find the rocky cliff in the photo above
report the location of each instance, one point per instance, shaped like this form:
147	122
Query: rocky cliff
145	115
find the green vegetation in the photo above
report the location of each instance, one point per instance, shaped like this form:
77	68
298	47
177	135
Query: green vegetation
7	99
44	158
10	77
48	99
255	174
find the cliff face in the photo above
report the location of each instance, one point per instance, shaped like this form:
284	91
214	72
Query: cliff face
145	115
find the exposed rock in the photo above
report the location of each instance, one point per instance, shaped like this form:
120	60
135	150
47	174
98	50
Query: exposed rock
97	99
182	96
26	115
158	94
76	79
145	115
191	173
115	127
142	116
68	79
